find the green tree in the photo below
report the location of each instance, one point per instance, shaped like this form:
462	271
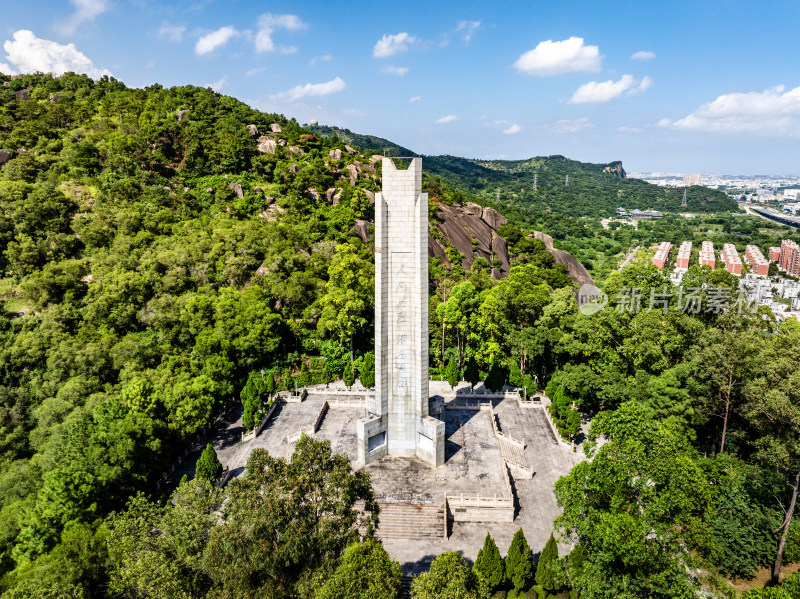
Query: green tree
635	506
167	564
489	564
496	377
366	373
284	520
520	565
208	466
348	376
348	295
451	373
365	570
449	577
471	373
547	568
249	415
773	412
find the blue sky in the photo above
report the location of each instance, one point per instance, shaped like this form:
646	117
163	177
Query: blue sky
693	87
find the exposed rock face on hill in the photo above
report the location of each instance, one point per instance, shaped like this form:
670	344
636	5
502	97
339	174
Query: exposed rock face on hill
615	168
461	225
575	269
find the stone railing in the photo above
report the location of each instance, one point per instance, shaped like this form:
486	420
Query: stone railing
256	431
479	501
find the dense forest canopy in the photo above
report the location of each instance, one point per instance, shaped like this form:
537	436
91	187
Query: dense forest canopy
159	247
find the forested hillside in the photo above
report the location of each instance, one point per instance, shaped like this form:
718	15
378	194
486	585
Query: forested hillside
156	247
160	248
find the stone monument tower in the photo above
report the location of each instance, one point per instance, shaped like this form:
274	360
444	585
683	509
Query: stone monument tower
397	420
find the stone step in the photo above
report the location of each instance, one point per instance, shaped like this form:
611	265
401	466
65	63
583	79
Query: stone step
405	587
411	521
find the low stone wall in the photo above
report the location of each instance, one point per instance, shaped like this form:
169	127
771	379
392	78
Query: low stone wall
256	431
320	417
476	508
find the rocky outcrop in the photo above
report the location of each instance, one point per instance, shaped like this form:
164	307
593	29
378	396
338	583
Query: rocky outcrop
276	128
181	114
266	145
296	150
5	156
294	168
349	150
237	189
22	94
575	269
335	154
435	249
615	168
361	230
252	130
352	170
493	218
370	196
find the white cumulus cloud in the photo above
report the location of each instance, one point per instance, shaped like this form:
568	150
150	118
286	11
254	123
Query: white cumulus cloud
572	126
389	45
85	10
773	112
218	85
312	89
6	70
604	91
389	70
268	23
469	28
643	55
446	119
323	58
415	99
513	129
29	54
170	32
215	39
554	58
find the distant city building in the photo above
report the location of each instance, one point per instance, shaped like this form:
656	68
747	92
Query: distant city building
706	257
791	194
789	259
730	258
758	264
774	254
684	256
637	214
662	254
693	179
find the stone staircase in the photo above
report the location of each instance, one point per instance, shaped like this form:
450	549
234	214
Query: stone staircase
411	521
405	587
514	456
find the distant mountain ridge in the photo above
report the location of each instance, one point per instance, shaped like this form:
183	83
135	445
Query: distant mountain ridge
562	186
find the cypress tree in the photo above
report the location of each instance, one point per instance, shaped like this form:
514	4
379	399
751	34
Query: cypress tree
496	378
520	566
348	376
546	574
451	373
208	466
489	564
249	416
366	373
269	384
471	373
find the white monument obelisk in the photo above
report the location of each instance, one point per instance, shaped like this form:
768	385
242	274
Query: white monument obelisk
397	420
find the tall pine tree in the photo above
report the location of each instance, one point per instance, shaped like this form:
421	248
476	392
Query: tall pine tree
520	566
546	572
489	564
451	373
